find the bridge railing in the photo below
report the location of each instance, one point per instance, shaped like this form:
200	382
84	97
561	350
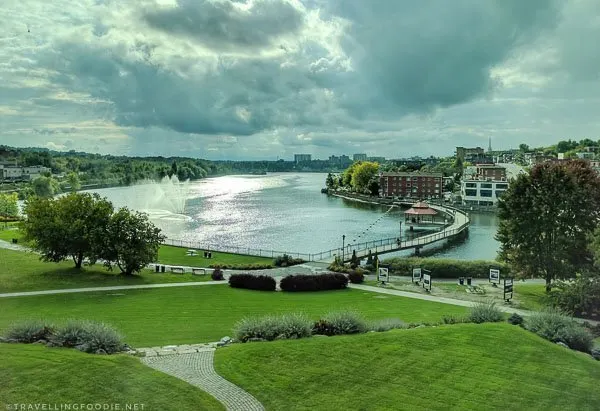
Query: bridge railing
257	252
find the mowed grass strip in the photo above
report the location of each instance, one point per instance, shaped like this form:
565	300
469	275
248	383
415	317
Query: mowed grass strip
454	367
34	374
177	255
23	271
198	314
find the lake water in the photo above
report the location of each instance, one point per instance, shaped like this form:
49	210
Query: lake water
283	212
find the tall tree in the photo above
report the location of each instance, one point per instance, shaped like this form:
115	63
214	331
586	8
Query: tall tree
73	181
45	187
362	175
9	209
546	218
331	182
131	241
70	226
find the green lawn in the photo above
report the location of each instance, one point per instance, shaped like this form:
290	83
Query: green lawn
467	366
23	271
34	374
7	233
206	313
177	256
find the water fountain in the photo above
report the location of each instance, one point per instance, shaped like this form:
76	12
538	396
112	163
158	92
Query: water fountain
164	200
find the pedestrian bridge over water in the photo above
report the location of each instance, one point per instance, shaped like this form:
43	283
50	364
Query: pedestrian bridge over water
460	223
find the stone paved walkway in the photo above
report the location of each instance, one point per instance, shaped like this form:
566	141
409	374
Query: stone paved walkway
197	369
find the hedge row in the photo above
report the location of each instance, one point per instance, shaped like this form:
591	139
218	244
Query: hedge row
252	282
446	268
317	282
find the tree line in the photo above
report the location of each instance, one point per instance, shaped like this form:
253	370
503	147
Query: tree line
86	228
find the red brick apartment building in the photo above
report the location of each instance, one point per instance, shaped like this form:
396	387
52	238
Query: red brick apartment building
412	185
492	172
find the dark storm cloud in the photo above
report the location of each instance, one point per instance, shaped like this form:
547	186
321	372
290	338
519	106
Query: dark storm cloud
418	55
222	26
406	57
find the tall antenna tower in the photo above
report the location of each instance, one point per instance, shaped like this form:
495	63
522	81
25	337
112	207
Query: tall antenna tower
490	145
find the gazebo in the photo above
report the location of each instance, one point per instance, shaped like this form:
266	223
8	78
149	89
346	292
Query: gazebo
420	213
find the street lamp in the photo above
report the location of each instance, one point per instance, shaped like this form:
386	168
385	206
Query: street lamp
343	245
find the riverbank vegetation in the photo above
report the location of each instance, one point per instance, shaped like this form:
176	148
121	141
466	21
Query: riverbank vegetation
180	315
34	374
400	361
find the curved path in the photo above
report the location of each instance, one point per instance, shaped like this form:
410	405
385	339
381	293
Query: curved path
197	369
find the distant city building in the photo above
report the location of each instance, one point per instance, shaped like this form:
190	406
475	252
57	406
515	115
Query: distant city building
301	158
377	159
483	184
585	155
359	157
463	152
412	185
344	159
16	173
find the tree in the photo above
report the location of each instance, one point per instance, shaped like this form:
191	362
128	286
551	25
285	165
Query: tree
331	182
523	148
45	187
73	181
362	175
131	241
546	218
348	173
354	261
9	209
70	226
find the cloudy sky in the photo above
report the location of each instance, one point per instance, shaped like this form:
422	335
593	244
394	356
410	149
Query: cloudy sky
261	79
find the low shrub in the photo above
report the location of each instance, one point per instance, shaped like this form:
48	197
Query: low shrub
356	277
593	329
485	312
453	319
555	326
446	268
242	266
88	336
579	296
340	323
252	282
287	261
386	325
29	331
217	274
286	326
339	268
316	282
515	319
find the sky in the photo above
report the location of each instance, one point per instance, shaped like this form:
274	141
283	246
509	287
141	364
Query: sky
265	79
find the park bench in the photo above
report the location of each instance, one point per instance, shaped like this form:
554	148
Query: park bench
178	270
198	271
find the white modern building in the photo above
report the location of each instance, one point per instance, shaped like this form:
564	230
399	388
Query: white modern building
485	184
16	173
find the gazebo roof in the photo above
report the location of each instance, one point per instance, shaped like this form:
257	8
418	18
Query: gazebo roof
420	208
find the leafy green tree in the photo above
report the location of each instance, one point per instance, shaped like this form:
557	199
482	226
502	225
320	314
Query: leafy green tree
348	173
546	218
362	175
73	181
69	226
9	209
45	187
331	182
131	241
523	148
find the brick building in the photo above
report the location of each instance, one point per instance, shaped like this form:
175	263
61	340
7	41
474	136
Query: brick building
411	185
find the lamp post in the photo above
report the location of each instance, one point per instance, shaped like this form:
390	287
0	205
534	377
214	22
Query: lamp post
343	245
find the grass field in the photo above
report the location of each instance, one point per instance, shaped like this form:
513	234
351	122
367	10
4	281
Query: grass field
527	296
206	313
177	256
34	374
467	366
23	271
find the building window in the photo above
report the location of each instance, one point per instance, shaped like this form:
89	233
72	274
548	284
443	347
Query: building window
499	193
502	186
407	184
471	192
485	193
470	184
486	185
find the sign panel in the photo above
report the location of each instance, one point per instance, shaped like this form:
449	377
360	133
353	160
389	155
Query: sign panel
508	289
494	276
427	282
416	274
383	274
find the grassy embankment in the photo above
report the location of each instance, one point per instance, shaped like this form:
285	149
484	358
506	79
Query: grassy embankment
34	374
466	366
